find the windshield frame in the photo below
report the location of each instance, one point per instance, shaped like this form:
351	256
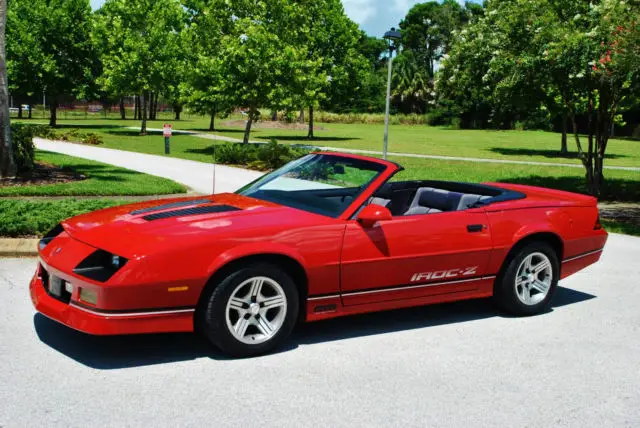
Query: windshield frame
386	170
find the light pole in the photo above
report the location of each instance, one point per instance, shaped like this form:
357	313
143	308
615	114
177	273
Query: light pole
393	35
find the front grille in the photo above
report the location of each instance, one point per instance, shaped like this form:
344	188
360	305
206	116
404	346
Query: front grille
207	209
54	286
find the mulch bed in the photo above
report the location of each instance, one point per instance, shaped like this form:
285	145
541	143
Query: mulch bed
621	212
44	173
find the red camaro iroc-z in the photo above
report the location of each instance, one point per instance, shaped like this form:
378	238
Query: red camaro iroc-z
324	236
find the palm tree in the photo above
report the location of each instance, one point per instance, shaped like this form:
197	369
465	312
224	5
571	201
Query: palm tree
411	85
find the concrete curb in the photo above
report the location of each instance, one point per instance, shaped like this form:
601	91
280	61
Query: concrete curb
18	247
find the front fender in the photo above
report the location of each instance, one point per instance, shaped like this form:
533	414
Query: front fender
253	249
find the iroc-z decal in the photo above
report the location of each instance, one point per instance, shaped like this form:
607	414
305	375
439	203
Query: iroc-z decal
444	274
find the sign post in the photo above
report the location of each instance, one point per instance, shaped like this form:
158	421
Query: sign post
166	131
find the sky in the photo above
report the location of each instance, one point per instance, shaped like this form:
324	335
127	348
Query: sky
374	16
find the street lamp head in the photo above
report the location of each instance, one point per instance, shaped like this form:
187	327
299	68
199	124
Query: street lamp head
393	35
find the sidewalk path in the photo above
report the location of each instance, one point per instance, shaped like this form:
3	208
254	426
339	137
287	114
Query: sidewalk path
196	175
211	136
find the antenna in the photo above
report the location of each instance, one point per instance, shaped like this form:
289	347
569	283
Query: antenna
214	169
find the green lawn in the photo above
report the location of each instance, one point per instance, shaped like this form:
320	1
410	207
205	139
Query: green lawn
514	145
419	139
102	180
621	185
19	217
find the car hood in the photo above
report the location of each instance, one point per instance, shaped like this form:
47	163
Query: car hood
136	230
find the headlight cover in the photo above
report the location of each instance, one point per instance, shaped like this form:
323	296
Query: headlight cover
100	265
50	236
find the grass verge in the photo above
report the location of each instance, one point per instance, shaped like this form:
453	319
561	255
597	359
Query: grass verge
22	218
616	226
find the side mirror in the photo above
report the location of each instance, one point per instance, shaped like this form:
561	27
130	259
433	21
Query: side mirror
371	214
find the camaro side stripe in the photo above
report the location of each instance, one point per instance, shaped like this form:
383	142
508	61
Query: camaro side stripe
410	287
328	296
406	287
132	314
582	255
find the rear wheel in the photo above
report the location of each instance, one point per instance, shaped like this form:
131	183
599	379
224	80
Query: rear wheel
529	280
252	311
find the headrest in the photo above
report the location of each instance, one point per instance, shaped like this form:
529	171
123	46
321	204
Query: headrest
438	200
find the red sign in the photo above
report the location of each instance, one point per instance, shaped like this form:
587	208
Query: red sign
166	130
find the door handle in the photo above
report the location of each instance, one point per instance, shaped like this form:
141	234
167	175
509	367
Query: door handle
475	228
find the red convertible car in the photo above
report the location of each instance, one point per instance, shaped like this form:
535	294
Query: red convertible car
324	236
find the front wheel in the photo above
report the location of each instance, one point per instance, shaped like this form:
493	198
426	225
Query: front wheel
529	280
252	311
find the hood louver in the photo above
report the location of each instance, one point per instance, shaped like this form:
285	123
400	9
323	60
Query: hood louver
208	209
170	205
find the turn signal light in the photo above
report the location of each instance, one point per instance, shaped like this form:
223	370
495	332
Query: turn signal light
88	296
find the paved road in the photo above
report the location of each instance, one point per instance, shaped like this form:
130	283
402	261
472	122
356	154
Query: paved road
196	175
447	365
212	136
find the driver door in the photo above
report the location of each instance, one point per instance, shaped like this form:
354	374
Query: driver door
415	256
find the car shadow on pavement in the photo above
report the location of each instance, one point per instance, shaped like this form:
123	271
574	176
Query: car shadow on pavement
116	352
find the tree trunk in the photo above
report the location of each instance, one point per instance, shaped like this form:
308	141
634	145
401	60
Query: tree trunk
274	115
177	108
301	116
563	143
154	106
30	111
136	107
53	109
123	112
7	162
212	123
20	111
247	129
144	100
310	133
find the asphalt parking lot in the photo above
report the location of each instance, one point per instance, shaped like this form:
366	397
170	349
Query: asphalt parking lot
461	364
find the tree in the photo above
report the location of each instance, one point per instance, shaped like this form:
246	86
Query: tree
257	55
411	86
25	53
331	41
7	162
578	58
427	33
427	30
202	88
62	59
140	42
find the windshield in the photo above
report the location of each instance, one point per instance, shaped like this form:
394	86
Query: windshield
322	184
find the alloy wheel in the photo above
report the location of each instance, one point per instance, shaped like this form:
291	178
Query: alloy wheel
533	279
256	310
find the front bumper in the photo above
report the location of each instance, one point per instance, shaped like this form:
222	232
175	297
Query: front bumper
94	321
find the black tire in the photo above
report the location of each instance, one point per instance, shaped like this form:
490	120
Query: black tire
213	317
505	292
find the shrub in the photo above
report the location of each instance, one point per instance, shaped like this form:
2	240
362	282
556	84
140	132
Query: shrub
370	118
92	138
258	156
235	153
440	116
23	148
74	135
